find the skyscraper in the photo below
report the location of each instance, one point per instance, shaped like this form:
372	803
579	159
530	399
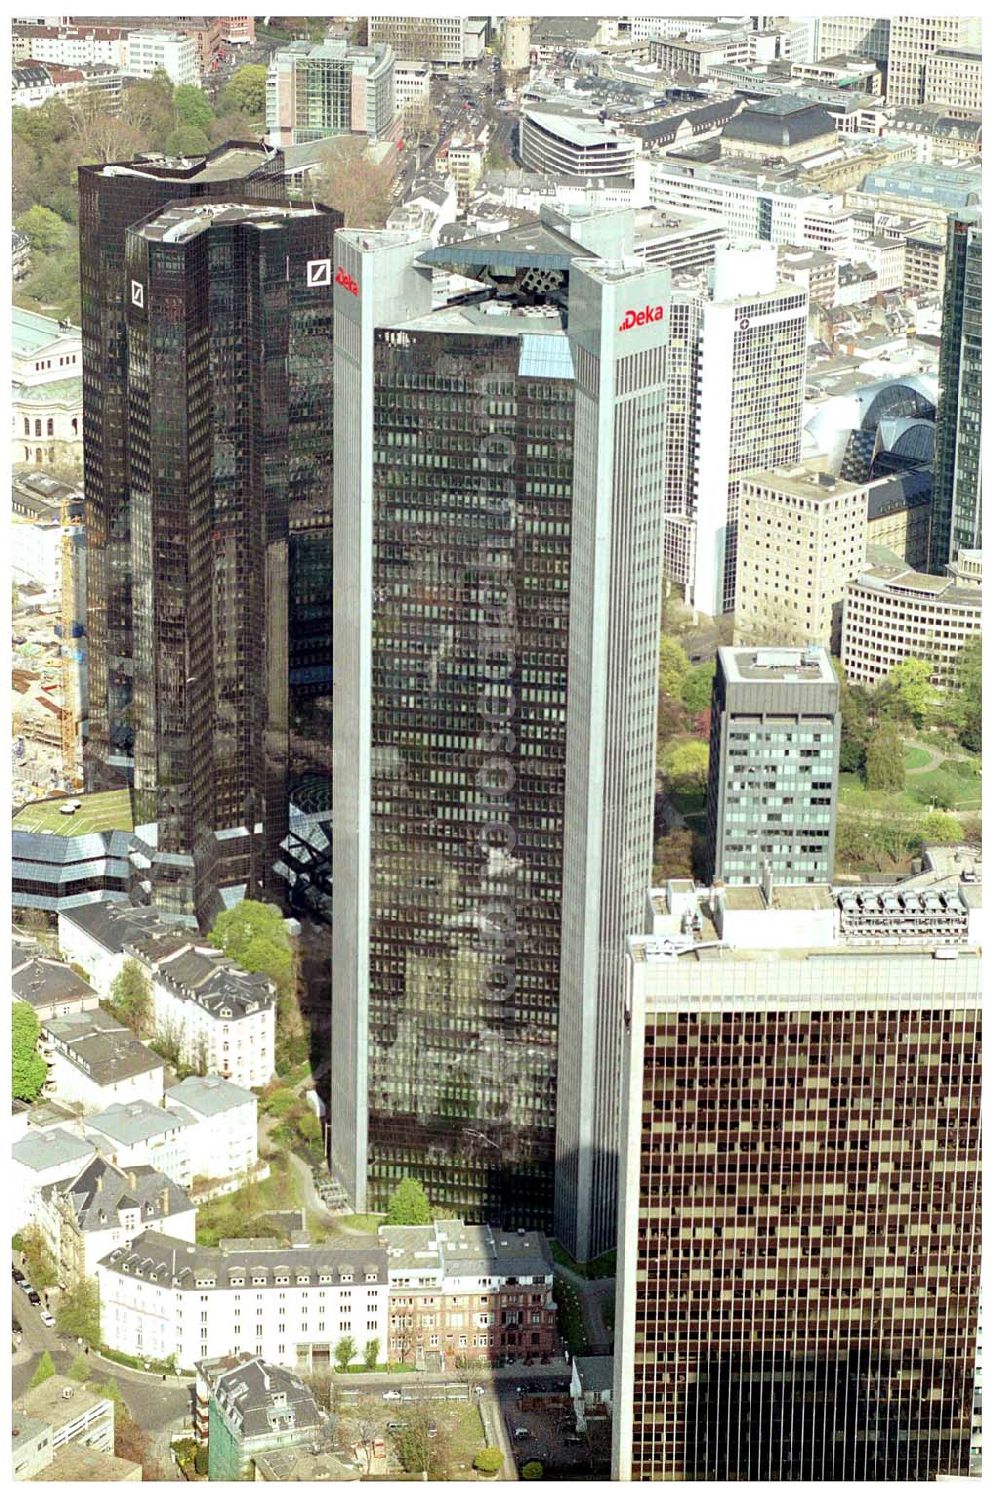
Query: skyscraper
956	512
773	766
800	1232
490	572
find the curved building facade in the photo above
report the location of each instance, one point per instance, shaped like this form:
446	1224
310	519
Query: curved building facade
573	146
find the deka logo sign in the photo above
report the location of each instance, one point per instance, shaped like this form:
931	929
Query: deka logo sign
347	282
636	317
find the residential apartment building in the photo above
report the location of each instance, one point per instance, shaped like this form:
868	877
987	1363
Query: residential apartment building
257	1407
51	989
914	40
79	46
141	1134
40	1159
774	754
454	859
164	1296
221	1125
86	1218
956	522
96	936
799	1241
955	79
459	1293
894	614
801	539
95	1061
221	1017
570	144
315	90
172	51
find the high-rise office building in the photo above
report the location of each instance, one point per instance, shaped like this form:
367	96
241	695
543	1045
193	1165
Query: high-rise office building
112	198
738	355
864	36
801	540
800	1231
228	323
913	41
774	754
316	90
956	512
498	512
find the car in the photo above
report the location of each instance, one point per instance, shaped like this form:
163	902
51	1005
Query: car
26	1287
574	1440
392	1395
18	1276
521	1432
34	1299
479	1390
432	1431
47	1319
395	1426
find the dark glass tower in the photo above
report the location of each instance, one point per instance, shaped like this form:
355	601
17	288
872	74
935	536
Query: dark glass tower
229	383
956	515
112	198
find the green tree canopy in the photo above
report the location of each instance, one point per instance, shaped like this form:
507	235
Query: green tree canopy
970	691
46	230
409	1204
941	828
674	667
909	694
79	1312
344	1352
130	997
697	689
41	1268
186	140
29	1067
685	765
488	1461
79	1368
884	766
191	106
254	935
371	1354
244	93
44	1370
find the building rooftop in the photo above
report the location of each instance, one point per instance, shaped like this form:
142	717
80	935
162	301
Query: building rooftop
31	331
157	1257
42	981
208	1096
885	571
596	1372
102	1192
576	128
99	812
203	974
48	1402
261	1400
458	1249
232	159
181	222
303	1465
946	187
112	924
783	898
74	1463
808	480
39	1150
132	1122
101	1047
810	664
781	122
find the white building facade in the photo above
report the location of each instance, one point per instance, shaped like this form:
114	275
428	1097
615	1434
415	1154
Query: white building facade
175	53
222	1125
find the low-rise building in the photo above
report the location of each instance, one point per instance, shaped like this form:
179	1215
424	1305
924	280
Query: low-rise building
95	936
40	1159
141	1134
257	1407
103	1208
800	541
75	1464
222	1129
571	144
51	988
893	613
813	269
591	1388
95	1061
466	1292
47	390
163	1296
31	1446
75	1415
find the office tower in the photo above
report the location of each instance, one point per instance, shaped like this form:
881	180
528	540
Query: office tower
799	1241
954	78
913	41
477	633
863	36
229	389
894	614
774	755
446	41
956	512
801	540
738	353
113	197
315	90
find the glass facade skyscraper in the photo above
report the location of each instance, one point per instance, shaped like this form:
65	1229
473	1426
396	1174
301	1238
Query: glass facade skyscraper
956	513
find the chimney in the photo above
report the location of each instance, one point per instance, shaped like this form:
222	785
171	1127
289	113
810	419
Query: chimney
165	1201
132	1180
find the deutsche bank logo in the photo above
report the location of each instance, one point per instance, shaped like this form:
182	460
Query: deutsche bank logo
138	294
318	273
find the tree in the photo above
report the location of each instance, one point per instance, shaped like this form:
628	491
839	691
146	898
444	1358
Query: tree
909	694
969	677
79	1369
254	935
424	1442
191	107
44	1370
371	1354
365	1421
884	768
532	1470
187	140
409	1204
940	828
39	1264
131	999
673	855
686	765
149	103
344	1353
79	1312
697	688
674	667
46	230
30	1069
352	181
488	1461
245	92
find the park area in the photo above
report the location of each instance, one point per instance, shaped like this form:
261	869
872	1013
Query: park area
99	812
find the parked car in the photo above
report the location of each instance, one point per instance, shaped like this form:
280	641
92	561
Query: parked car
34	1299
392	1395
521	1432
394	1426
18	1276
47	1318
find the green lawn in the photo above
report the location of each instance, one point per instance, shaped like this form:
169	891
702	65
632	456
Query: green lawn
361	1223
916	758
100	812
